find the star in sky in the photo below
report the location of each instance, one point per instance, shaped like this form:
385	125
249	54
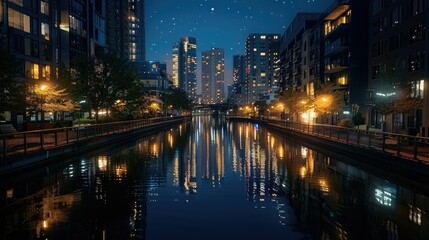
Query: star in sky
217	23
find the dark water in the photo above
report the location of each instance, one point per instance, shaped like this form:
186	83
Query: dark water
211	180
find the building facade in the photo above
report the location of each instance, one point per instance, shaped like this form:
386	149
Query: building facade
300	53
345	63
185	66
155	81
136	23
175	66
118	32
262	53
213	76
398	56
238	94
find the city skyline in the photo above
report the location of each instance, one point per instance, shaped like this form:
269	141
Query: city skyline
221	24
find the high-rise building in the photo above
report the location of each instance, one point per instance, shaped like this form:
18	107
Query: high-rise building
262	53
398	56
300	53
238	93
185	61
212	76
117	34
136	23
175	67
28	32
97	27
346	59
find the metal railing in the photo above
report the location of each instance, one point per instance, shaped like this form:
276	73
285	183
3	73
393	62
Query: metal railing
407	146
23	142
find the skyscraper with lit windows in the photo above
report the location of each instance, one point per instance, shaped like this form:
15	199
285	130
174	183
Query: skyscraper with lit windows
262	53
212	76
185	60
136	30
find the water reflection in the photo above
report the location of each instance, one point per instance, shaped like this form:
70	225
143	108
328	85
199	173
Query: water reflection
205	180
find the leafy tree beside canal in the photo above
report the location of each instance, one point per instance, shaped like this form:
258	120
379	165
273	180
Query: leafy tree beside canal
12	92
178	100
106	81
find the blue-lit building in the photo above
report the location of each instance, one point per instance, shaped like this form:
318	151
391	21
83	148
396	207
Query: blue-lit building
185	66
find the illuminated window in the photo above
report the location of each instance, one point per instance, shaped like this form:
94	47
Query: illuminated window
328	28
342	80
44	30
17	2
263	53
263	74
77	25
417	89
276	37
18	20
32	70
46	71
44	7
255	49
263	37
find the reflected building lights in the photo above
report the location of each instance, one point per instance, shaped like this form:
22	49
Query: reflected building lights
415	215
176	170
384	197
303	172
323	185
102	163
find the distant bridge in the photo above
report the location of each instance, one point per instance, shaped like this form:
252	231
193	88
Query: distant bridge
220	107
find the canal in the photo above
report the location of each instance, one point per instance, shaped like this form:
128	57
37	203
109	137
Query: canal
211	179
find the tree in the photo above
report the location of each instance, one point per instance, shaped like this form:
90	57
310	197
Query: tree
357	119
12	92
178	100
399	99
103	80
261	106
132	99
296	101
329	99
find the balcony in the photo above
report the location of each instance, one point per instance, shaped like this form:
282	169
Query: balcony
336	66
336	47
335	31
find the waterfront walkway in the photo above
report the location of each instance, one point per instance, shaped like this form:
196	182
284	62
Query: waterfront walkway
405	146
23	149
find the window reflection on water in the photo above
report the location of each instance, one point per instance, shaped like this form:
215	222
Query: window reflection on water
190	175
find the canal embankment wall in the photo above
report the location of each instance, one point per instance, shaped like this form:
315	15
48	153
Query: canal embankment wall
404	168
23	161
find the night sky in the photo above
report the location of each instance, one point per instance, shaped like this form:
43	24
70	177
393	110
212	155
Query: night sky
217	23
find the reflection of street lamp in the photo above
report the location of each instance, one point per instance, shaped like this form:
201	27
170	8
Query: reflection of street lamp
42	101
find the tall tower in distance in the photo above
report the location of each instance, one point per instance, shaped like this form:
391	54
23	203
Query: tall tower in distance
185	66
239	91
136	23
175	67
212	75
262	53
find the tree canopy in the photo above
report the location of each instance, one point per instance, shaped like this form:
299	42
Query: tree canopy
178	100
104	81
12	92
